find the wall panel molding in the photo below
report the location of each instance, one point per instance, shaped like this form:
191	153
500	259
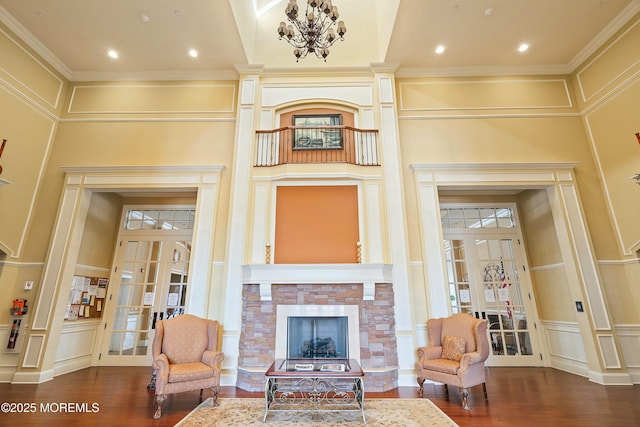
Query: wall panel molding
599	73
153	98
39	85
472	95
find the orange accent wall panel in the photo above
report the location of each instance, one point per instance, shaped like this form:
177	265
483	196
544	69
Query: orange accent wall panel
316	224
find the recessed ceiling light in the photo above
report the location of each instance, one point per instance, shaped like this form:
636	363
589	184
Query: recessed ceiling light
144	18
193	53
177	12
440	49
523	47
112	54
488	11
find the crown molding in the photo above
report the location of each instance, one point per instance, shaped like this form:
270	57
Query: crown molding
26	37
607	32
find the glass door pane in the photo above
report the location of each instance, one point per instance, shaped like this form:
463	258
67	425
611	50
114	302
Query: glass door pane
502	300
458	277
134	304
177	285
483	280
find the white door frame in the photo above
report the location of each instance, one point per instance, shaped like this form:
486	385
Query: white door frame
595	325
59	268
526	287
159	305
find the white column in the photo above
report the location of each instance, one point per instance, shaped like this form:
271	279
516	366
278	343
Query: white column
200	273
392	167
390	148
58	273
260	220
433	257
238	221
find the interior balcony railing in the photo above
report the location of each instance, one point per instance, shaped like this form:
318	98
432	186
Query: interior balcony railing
317	144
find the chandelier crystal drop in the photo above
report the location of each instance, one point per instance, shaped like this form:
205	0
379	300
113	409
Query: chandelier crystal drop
314	32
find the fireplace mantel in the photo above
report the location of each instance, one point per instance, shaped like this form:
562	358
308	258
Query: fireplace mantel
267	274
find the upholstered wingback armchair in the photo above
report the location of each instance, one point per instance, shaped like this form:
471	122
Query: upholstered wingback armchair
458	347
186	357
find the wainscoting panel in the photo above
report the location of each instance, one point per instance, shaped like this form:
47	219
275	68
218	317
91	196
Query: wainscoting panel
629	341
608	351
75	346
566	350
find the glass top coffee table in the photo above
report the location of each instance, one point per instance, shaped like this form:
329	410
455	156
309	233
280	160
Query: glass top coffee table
314	385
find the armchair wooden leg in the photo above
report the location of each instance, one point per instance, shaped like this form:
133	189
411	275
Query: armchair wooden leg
465	394
421	384
484	389
446	389
158	412
216	390
152	381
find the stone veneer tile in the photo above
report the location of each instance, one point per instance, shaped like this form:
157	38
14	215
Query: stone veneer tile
378	345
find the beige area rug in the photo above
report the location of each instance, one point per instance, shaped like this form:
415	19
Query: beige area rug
378	412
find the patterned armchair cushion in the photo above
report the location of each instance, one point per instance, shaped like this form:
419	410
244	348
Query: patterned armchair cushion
453	348
445	366
189	372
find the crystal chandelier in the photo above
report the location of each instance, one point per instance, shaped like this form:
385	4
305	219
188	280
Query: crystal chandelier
314	32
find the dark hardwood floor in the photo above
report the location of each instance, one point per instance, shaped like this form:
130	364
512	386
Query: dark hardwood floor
517	396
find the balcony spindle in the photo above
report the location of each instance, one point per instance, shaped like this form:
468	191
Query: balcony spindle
326	144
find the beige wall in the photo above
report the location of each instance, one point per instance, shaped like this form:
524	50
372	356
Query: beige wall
548	277
30	99
588	118
94	124
525	120
608	91
100	231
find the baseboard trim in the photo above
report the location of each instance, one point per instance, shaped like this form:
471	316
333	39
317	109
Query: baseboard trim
610	379
229	377
634	374
6	373
70	365
37	377
569	365
407	379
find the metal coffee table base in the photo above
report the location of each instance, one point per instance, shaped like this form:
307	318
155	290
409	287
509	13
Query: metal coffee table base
306	393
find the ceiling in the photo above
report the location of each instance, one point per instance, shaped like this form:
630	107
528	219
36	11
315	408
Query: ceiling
153	36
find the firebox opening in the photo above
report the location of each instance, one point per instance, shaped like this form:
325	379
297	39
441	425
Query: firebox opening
317	337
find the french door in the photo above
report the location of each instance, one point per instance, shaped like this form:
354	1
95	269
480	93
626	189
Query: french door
488	278
151	266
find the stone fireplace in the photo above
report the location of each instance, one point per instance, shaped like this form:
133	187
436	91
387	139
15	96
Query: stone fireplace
371	326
